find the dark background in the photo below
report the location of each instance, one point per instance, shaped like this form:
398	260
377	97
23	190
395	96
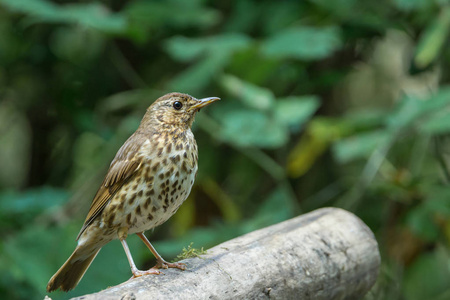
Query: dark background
324	103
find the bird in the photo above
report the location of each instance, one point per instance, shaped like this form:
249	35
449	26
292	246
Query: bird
149	178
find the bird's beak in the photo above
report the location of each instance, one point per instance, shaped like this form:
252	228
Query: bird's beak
204	102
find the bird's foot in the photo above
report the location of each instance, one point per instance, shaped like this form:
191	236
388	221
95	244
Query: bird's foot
162	264
139	273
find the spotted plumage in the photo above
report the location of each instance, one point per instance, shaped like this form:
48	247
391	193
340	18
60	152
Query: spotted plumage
150	177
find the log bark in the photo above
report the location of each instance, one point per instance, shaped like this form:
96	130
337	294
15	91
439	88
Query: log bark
326	254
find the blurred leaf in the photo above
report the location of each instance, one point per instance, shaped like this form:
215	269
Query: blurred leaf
217	52
407	112
15	204
364	119
420	220
252	95
199	75
12	46
93	15
408	5
427	277
69	43
127	100
359	146
306	43
252	67
145	17
29	255
277	17
339	7
423	219
437	196
438	124
88	151
15	141
187	49
433	39
296	110
410	109
320	133
252	128
228	208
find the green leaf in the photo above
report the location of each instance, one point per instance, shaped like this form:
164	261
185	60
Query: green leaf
252	128
146	16
437	199
410	109
338	7
187	49
69	43
428	276
438	124
296	110
32	200
306	43
252	95
420	220
93	15
433	39
15	140
154	14
408	5
359	146
364	118
199	75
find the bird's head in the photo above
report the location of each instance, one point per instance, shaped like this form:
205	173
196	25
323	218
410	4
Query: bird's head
176	109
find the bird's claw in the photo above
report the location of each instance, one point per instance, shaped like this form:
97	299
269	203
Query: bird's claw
139	273
155	270
165	265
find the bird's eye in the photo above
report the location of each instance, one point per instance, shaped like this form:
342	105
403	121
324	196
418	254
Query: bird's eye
177	105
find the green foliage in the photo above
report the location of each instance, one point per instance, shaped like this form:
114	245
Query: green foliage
17	208
426	279
305	43
432	41
324	103
296	110
92	15
190	252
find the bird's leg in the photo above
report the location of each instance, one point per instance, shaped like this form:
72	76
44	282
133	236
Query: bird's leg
136	273
160	262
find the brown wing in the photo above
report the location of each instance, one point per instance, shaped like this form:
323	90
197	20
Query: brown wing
123	166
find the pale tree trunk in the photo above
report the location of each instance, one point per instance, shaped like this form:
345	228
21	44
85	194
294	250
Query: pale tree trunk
326	254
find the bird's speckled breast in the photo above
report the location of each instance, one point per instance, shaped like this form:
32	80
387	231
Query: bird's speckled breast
161	184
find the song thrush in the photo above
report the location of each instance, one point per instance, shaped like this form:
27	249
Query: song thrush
149	178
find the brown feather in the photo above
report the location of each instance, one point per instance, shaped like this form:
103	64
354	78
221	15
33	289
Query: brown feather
122	168
72	271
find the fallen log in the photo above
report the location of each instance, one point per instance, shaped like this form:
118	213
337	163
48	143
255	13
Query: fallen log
325	254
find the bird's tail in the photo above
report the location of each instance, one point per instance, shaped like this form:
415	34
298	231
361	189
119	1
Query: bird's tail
73	270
